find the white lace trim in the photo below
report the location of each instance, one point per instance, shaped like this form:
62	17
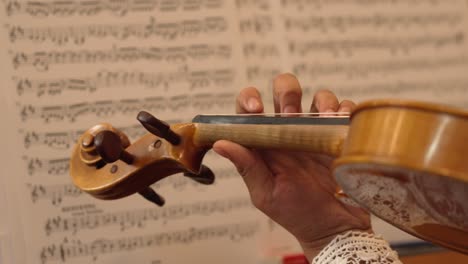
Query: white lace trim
355	247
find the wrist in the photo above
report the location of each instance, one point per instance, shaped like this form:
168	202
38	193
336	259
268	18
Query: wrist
313	248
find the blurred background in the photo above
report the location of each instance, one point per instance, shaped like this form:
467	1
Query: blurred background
68	65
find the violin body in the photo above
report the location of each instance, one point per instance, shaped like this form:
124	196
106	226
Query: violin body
406	162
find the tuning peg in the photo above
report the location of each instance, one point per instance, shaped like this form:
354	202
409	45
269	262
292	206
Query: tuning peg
206	176
109	146
158	128
150	195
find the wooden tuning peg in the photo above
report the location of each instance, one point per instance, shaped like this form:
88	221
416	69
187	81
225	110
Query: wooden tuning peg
206	176
158	128
150	195
109	146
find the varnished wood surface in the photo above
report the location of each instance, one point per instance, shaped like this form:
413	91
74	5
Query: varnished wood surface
422	151
326	139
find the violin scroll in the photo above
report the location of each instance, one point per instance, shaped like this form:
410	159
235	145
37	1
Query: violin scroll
106	165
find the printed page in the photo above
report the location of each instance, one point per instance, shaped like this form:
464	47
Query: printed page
68	65
379	49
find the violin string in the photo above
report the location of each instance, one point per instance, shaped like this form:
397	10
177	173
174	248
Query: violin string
316	114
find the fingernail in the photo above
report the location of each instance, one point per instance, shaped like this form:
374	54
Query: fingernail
253	104
289	109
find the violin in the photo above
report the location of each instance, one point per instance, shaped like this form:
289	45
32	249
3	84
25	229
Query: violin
404	161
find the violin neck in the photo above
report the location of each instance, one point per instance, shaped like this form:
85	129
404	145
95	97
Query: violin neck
324	139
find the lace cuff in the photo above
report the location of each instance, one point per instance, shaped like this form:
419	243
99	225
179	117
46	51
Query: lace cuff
356	247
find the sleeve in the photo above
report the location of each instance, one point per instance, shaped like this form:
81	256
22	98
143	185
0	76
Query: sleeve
355	247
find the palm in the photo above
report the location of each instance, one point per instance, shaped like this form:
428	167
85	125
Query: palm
308	192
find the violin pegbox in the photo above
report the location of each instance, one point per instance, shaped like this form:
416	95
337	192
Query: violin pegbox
159	128
106	165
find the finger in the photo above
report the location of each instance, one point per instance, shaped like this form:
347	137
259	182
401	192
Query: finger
346	106
325	102
249	101
251	167
287	94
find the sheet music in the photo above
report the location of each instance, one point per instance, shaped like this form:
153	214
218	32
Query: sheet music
379	49
74	63
68	65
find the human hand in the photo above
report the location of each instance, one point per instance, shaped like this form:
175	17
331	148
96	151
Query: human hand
295	189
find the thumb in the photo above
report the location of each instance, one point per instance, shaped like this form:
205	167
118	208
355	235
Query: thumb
250	166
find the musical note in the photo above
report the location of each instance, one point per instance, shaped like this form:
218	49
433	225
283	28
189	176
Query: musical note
182	183
70	113
376	21
253	4
139	218
12	7
42	60
303	4
98	7
61	35
63	140
260	50
70	249
263	72
386	67
393	45
54	140
192	79
55	193
260	24
58	166
437	87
